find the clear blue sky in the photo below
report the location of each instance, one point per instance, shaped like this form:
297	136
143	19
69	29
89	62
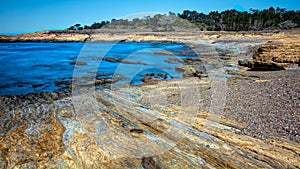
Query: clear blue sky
19	16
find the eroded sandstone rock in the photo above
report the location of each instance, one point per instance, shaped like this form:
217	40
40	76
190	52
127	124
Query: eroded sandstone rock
282	50
97	131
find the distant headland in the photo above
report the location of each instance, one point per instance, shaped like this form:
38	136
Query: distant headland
255	21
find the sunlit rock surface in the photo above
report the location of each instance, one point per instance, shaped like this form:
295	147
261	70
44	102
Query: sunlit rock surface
47	36
281	50
153	126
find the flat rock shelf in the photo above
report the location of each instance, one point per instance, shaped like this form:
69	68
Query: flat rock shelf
61	134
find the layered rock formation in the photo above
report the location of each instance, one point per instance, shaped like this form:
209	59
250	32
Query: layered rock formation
261	65
283	50
48	36
276	54
168	125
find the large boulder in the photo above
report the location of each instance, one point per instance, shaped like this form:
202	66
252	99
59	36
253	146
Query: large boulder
192	71
189	72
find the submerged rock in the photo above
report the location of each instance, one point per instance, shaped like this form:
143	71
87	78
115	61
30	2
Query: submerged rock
79	63
180	68
120	60
174	60
37	85
164	53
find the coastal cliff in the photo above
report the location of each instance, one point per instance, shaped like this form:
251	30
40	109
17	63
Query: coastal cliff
47	36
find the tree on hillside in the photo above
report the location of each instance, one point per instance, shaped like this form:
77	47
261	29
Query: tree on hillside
233	20
228	20
75	27
98	25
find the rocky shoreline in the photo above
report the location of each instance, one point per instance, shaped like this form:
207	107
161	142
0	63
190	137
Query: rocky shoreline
258	126
140	36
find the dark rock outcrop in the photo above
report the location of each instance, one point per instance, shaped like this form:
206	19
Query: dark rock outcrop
243	62
264	66
192	70
261	65
152	78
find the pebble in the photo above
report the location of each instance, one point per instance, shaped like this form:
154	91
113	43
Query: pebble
269	108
